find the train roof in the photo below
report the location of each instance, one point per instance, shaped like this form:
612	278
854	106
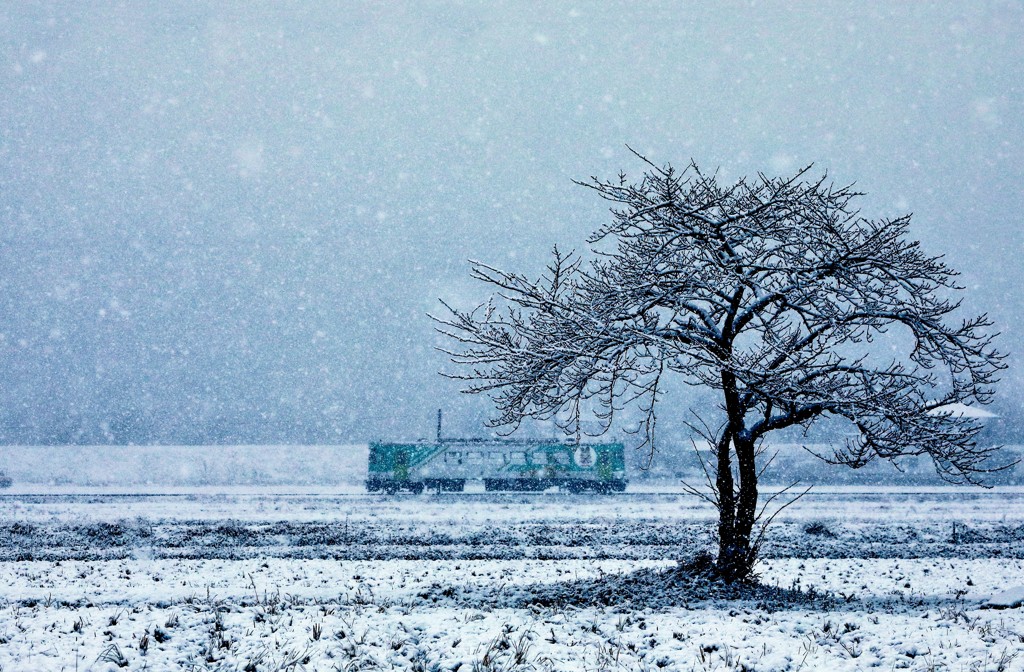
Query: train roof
498	442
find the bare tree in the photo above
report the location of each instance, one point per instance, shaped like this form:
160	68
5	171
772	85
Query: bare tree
774	292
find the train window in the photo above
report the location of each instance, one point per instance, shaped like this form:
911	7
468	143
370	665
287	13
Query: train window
560	458
496	457
453	456
517	457
474	456
540	458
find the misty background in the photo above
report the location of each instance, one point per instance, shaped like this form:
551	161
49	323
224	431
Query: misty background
227	222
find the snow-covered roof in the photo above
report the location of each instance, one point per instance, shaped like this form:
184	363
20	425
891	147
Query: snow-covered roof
963	411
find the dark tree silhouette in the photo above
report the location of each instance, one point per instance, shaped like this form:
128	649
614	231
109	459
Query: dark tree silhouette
774	292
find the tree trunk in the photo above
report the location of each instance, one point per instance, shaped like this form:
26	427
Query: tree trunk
737	507
726	501
736	555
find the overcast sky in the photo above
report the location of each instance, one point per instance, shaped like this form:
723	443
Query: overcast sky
227	221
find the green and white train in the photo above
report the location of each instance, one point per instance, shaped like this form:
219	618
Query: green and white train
502	465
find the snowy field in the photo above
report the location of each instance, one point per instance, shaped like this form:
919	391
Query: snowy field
315	579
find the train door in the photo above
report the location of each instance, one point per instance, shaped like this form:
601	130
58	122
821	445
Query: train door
402	465
604	466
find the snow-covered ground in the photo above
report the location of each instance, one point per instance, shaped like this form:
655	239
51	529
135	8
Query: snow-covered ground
331	580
